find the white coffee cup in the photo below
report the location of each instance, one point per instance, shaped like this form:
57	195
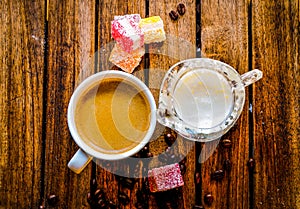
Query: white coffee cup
87	152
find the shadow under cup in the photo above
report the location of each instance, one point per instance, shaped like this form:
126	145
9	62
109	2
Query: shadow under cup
111	115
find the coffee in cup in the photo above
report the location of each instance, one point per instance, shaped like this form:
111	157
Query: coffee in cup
111	116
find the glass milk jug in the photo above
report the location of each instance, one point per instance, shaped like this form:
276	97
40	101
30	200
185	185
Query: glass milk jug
202	98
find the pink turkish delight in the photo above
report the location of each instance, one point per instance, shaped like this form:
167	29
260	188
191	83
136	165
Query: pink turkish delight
127	33
134	18
165	178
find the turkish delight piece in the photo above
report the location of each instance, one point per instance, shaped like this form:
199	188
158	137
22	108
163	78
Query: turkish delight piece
153	29
127	33
124	60
135	18
165	178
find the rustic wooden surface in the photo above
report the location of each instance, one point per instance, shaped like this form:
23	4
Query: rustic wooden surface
48	47
276	115
21	106
224	36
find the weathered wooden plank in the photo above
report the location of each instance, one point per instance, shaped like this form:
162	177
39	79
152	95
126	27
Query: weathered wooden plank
180	45
4	107
71	44
107	178
21	90
224	37
276	98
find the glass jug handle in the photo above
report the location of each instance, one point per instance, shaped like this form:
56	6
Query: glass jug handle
251	77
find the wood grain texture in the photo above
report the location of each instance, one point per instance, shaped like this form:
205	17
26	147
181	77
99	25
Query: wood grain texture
40	67
70	45
180	45
108	181
224	36
21	89
276	52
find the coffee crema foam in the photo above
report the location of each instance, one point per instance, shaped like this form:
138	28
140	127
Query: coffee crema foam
113	116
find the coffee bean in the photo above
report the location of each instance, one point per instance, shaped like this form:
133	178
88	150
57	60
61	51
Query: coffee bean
139	205
142	200
181	8
97	199
197	178
170	137
102	203
99	194
52	200
208	199
149	155
173	15
226	143
127	182
227	165
251	164
93	185
198	8
123	198
136	155
182	168
111	205
218	175
42	205
143	152
145	149
198	207
89	198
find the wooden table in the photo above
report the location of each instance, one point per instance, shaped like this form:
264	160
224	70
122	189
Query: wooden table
44	47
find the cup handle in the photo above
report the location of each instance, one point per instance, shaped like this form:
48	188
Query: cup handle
251	77
79	161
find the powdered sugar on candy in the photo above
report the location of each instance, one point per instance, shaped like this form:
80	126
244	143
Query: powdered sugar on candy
131	33
165	178
127	33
